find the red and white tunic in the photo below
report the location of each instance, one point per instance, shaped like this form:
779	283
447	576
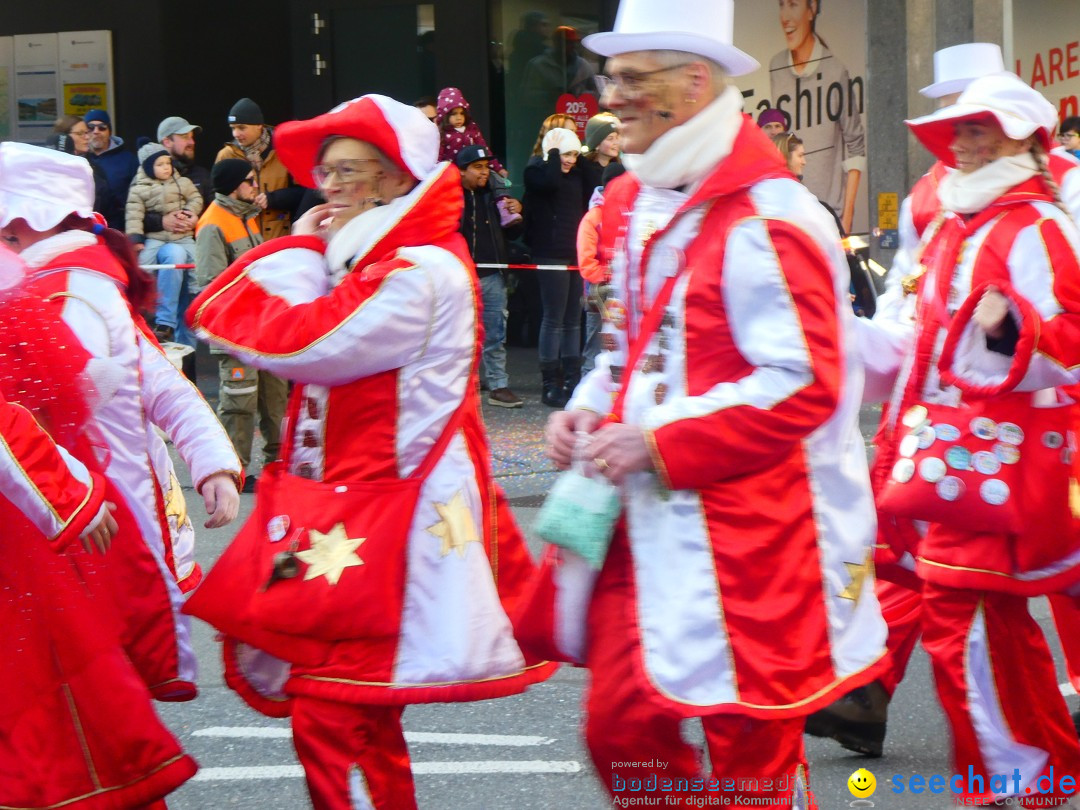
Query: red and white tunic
380	337
76	726
750	542
1026	243
131	387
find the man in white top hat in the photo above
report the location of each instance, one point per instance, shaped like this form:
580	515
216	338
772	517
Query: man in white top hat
717	599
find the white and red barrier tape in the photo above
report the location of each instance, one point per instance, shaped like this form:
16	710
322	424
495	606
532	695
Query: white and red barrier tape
570	267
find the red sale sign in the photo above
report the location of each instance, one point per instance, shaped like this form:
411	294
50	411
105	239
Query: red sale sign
580	108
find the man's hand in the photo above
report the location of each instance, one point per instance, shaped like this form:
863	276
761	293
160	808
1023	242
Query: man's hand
560	435
221	498
262	201
178	221
512	205
991	311
617	450
315	221
100	533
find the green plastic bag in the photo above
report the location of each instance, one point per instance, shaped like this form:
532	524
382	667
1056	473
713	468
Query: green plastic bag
579	515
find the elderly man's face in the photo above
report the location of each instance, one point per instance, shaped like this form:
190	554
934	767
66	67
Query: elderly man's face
649	98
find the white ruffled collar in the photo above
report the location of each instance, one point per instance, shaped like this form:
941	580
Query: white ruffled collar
970	193
686	155
41	253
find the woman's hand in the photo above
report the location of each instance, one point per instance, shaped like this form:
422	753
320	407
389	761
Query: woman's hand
221	498
991	311
618	450
100	533
560	435
315	221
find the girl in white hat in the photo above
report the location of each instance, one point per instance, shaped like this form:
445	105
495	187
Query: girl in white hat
96	290
1002	240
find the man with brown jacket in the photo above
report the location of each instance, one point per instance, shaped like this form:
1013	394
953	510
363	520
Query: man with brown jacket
227	229
253	142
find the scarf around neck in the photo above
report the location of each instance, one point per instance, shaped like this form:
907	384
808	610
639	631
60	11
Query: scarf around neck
970	193
687	154
254	153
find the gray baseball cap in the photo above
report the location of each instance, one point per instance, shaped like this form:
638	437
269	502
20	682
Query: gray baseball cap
175	125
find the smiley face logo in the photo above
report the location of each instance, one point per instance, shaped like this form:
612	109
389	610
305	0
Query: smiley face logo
862	784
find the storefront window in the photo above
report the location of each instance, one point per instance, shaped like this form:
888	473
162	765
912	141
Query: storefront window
539	67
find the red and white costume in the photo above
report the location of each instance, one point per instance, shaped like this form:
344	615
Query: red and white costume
76	726
883	344
380	336
718	598
133	387
993	670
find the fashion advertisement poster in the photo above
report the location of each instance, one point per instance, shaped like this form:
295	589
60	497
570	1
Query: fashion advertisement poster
1048	56
813	69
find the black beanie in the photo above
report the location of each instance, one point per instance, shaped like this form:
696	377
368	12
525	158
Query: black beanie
245	111
228	174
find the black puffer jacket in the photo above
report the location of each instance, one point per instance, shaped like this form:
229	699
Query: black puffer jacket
554	205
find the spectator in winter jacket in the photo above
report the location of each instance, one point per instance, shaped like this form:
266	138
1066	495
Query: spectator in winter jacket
482	227
159	189
226	230
117	164
555	201
253	141
458	129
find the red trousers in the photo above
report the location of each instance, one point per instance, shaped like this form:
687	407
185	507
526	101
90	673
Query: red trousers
354	757
633	743
996	681
902	610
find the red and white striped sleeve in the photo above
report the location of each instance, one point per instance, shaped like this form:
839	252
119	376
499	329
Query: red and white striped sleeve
781	302
55	491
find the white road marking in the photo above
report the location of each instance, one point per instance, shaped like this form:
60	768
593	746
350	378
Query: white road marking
415	737
264	772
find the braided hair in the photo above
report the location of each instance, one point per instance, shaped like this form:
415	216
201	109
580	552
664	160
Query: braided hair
1042	160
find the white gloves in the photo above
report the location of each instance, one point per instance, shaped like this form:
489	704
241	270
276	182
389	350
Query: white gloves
562	139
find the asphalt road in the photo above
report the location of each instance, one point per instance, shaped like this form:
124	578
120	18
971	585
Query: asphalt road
521	752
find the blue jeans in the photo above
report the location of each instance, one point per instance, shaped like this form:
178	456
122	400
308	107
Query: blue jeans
493	358
173	286
560	325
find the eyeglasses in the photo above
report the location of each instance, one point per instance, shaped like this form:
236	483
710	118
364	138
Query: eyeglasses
78	133
252	180
346	171
631	85
1068	136
97	126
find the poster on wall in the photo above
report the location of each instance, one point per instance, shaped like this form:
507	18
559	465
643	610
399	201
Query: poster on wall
1048	56
813	69
36	86
7	71
86	71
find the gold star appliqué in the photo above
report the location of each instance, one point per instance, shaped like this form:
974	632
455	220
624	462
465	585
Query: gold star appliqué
457	528
331	553
858	573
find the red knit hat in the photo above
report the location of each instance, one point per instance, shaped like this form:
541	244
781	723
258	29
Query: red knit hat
401	132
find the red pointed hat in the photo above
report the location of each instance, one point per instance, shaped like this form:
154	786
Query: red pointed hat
400	131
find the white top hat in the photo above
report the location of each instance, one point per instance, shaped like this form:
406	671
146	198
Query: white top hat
957	67
1019	110
43	185
702	27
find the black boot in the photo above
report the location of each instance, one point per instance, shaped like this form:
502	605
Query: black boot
856	721
552	391
571	372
